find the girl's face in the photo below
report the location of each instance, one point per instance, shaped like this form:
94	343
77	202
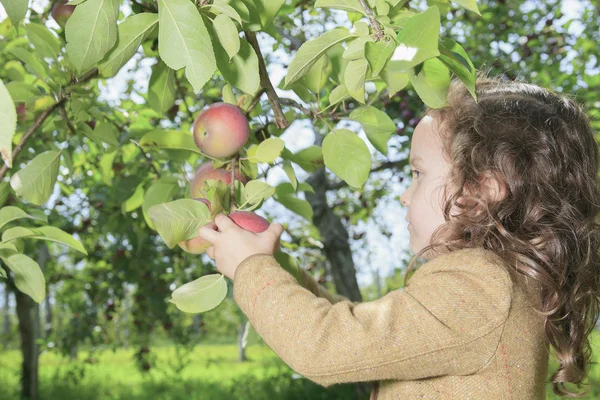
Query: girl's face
424	196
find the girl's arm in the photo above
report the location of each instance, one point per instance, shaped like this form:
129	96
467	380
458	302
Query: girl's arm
318	290
447	321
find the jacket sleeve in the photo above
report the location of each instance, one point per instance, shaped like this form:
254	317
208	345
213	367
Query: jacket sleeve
447	321
318	290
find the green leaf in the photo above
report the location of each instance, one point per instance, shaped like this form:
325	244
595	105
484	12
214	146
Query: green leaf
317	76
31	61
91	32
130	34
309	159
356	48
165	139
285	195
49	233
312	50
378	54
35	182
228	34
179	220
344	5
470	5
8	116
28	276
159	192
395	80
201	295
457	59
432	83
16	10
242	71
377	124
418	41
268	150
256	191
102	133
339	93
289	263
45	43
226	9
355	77
291	174
228	96
135	201
161	89
11	213
347	156
21	91
183	41
268	9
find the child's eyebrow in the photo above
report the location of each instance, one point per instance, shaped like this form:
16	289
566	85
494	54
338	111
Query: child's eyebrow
415	160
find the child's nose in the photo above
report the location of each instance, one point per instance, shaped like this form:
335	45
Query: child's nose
404	200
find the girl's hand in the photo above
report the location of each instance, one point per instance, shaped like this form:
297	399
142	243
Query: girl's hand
232	244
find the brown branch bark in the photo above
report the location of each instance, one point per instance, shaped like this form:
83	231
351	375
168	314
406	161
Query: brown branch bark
374	23
265	82
45	114
38	122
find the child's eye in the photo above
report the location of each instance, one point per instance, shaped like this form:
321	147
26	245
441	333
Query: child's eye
414	171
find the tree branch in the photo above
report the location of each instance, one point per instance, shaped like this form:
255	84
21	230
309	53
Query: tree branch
148	158
293	103
374	23
38	122
265	82
385	165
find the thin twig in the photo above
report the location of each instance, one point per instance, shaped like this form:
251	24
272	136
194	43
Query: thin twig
86	77
293	103
374	23
255	101
182	94
63	112
265	82
148	158
38	122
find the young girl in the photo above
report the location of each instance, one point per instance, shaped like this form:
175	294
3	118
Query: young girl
503	207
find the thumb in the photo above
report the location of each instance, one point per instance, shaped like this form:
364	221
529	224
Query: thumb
275	229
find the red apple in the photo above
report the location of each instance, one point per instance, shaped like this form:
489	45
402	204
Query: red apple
221	130
206	172
249	221
61	12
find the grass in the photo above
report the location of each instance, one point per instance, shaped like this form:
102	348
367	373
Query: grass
214	373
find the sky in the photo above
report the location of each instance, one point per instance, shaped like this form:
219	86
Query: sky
377	254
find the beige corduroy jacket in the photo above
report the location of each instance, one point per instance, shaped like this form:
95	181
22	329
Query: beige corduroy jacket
462	328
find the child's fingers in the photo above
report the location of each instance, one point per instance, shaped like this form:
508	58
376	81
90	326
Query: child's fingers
209	233
224	223
211	252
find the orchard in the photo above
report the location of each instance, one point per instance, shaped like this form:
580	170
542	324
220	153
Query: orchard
127	125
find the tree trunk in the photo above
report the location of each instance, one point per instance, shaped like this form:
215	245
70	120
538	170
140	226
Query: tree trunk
7	323
43	257
337	250
48	307
242	339
27	312
335	238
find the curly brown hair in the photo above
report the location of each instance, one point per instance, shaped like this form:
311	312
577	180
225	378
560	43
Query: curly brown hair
541	148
